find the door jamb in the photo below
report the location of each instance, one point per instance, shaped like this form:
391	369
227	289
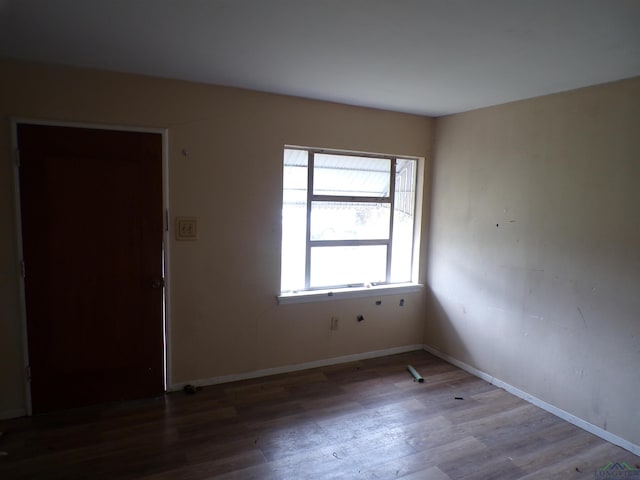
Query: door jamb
166	330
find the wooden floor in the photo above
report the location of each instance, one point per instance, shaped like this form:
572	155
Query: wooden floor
362	420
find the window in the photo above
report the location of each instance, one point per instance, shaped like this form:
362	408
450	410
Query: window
348	220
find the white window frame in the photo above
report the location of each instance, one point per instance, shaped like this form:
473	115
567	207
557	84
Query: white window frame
327	294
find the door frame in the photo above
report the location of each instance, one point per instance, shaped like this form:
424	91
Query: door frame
166	330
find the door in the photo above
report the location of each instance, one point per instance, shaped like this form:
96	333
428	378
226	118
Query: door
92	221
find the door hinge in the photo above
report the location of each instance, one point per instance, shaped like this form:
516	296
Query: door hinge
28	373
166	220
23	269
16	157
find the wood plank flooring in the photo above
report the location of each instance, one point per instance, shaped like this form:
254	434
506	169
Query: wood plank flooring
361	420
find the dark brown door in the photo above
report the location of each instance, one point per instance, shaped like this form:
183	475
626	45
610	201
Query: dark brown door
92	219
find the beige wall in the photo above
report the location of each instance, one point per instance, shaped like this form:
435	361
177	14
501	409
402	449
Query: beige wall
546	301
224	315
534	260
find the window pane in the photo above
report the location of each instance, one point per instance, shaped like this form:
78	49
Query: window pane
294	178
403	221
335	266
351	176
347	221
294	220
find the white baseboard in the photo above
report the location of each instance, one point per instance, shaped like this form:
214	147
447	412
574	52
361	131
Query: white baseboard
7	414
558	412
294	368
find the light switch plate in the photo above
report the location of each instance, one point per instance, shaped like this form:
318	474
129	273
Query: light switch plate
186	228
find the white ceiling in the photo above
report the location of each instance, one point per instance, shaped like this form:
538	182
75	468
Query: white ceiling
430	57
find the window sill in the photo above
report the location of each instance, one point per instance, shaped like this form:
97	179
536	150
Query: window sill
346	293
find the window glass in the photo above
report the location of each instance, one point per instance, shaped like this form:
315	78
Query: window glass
351	176
294	220
348	221
403	221
358	265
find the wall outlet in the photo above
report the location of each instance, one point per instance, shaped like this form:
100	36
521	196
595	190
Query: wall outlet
334	323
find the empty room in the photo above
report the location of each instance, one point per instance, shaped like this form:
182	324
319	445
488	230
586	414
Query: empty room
285	239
